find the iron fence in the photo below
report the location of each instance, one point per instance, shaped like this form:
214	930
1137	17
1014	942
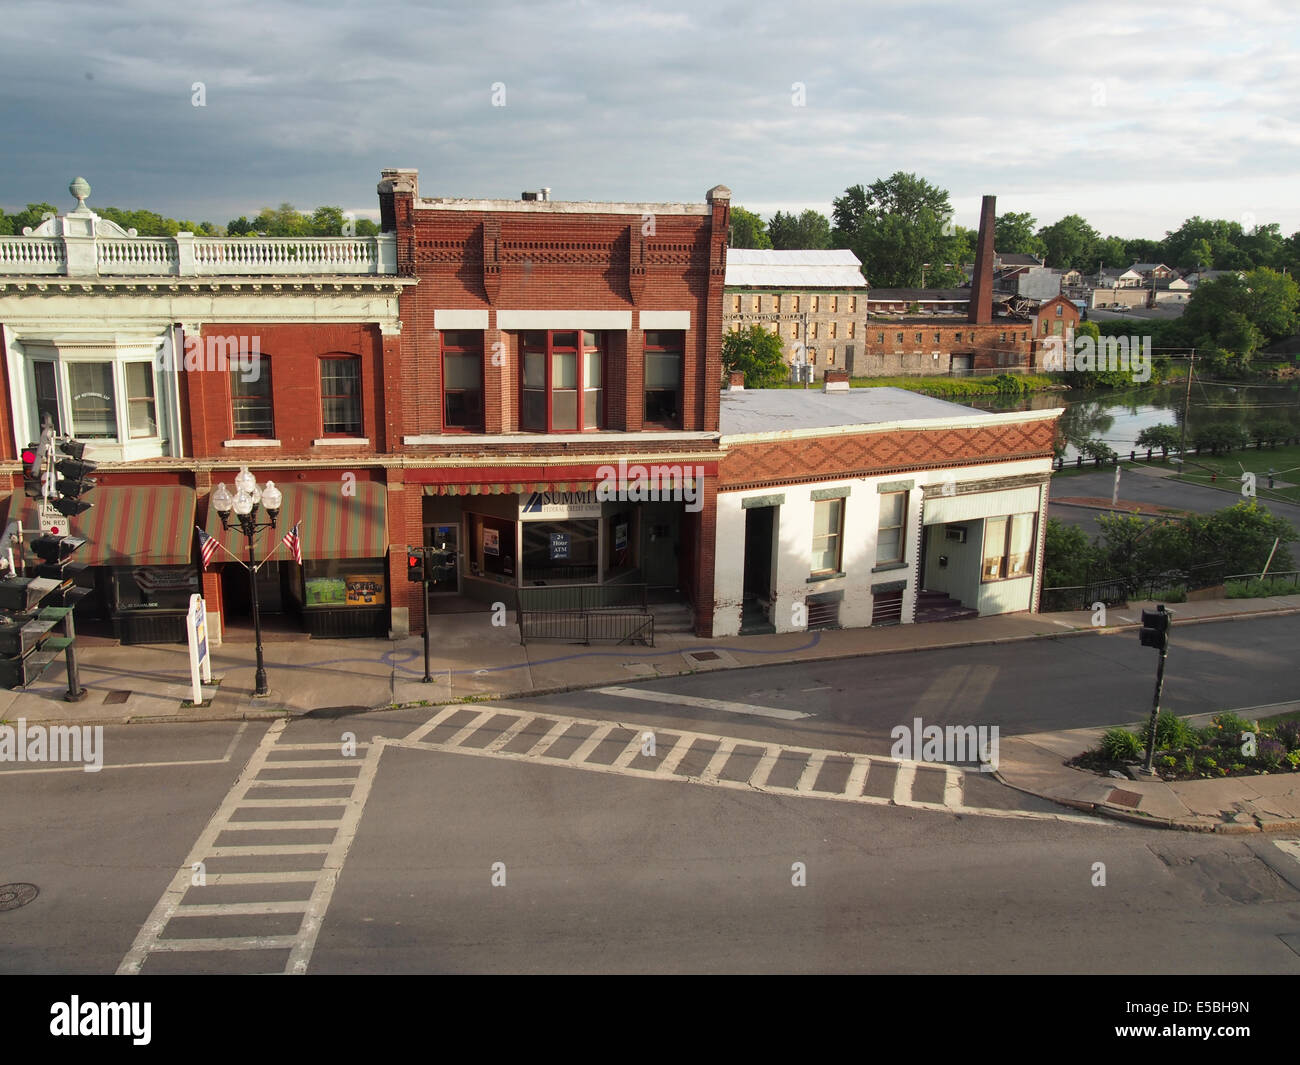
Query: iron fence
1115	590
585	626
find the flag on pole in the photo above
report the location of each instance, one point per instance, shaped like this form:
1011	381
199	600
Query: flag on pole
207	546
294	543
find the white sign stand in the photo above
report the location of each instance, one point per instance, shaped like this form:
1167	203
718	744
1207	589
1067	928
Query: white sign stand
196	629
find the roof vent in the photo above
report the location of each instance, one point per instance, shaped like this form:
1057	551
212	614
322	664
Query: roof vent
542	196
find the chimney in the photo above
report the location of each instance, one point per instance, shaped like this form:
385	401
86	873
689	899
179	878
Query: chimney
395	182
980	311
737	382
835	381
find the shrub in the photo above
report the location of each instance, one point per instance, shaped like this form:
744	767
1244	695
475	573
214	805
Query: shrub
1172	732
1096	449
1293	759
1008	384
1231	726
1119	745
1164	437
1269	431
1288	732
1272	754
1220	436
1177	594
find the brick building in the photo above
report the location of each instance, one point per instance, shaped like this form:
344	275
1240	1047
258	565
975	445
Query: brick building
816	301
546	344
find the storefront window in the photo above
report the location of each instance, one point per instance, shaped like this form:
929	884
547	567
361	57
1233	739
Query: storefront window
492	548
560	550
1008	547
462	380
345	582
153	587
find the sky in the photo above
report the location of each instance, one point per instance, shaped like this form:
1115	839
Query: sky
1134	115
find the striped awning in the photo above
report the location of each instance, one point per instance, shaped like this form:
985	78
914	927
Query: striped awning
127	525
334	525
496	488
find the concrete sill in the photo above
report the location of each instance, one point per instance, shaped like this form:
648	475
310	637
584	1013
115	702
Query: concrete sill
342	441
250	443
823	577
885	566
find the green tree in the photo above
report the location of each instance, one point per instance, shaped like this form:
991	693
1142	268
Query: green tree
1110	251
809	230
1238	315
1067	555
756	353
896	226
32	215
747	230
1069	243
327	222
1015	233
1165	437
1242	536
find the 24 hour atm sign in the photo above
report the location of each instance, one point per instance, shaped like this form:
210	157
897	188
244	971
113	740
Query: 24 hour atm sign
560	505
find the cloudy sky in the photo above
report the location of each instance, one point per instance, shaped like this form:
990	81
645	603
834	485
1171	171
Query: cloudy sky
1134	114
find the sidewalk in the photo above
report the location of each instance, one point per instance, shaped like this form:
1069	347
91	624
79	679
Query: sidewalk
471	659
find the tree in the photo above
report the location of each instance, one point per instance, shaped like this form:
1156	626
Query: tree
32	215
747	230
1069	243
896	226
1110	251
810	230
1239	315
1067	555
1014	233
756	353
1242	537
1165	437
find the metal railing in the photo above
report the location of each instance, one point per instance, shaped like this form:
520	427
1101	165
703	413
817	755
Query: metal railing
1268	580
585	612
1115	590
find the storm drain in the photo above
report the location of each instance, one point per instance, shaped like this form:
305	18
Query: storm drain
116	697
13	896
1126	798
704	656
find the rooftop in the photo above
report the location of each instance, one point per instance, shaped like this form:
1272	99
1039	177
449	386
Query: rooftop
771	410
794	269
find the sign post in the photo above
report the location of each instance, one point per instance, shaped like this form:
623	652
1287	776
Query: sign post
196	628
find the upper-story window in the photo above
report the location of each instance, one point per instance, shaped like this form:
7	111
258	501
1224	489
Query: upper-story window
853	305
252	412
794	304
816	300
340	395
563	381
835	304
663	377
462	380
757	304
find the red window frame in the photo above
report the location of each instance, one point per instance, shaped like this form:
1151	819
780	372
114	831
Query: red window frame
341	356
266	371
580	349
462	342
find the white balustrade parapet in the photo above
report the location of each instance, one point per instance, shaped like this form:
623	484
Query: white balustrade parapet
187	255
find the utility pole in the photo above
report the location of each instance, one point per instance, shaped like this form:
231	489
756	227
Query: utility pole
1187	410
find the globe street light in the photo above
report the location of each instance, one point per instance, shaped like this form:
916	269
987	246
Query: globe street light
244	504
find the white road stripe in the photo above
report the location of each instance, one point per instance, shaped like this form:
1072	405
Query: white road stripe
857	777
511	732
240	909
466	731
758	778
592	742
301	876
952	788
810	772
539	749
675	756
272	803
703	704
1289	846
265	826
320	763
306	782
166	946
903	780
630	755
255	850
435	721
719	759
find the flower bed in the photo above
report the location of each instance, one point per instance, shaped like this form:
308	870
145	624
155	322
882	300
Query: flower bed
1230	746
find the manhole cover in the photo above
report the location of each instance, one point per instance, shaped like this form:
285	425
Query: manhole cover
1125	798
116	697
13	896
705	656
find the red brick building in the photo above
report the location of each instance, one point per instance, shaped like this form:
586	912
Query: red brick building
544	343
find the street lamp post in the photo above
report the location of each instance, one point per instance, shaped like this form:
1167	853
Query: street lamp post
244	503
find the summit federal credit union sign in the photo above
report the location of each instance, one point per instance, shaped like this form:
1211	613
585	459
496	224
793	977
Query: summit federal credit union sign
558	506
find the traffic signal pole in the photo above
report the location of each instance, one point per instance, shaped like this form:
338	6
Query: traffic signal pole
1155	633
75	691
428	677
1149	766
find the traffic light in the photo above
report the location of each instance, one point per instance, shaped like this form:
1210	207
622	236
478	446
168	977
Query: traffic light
74	480
55	553
33	476
1155	628
415	565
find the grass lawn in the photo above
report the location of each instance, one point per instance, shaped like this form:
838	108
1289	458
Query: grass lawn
1284	460
946	387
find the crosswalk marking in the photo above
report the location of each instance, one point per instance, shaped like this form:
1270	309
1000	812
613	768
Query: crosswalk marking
339	815
723	748
704	704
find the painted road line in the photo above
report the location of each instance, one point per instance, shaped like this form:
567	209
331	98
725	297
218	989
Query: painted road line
703	704
259	849
230	750
361	745
720	758
857	777
685	740
539	749
165	946
305	782
435	721
758	778
267	826
630	755
271	803
230	909
329	763
593	741
303	876
511	732
338	852
903	781
810	773
150	933
475	723
953	792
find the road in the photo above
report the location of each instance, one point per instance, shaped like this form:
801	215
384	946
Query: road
460	842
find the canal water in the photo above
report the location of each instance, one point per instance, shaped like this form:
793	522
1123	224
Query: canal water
1117	417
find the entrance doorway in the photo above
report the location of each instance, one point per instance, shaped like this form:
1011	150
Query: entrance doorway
756	601
276	602
444	559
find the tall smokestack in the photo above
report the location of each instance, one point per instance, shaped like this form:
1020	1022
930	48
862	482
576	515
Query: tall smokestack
981	285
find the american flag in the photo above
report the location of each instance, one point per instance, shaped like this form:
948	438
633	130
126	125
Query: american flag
207	546
294	543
